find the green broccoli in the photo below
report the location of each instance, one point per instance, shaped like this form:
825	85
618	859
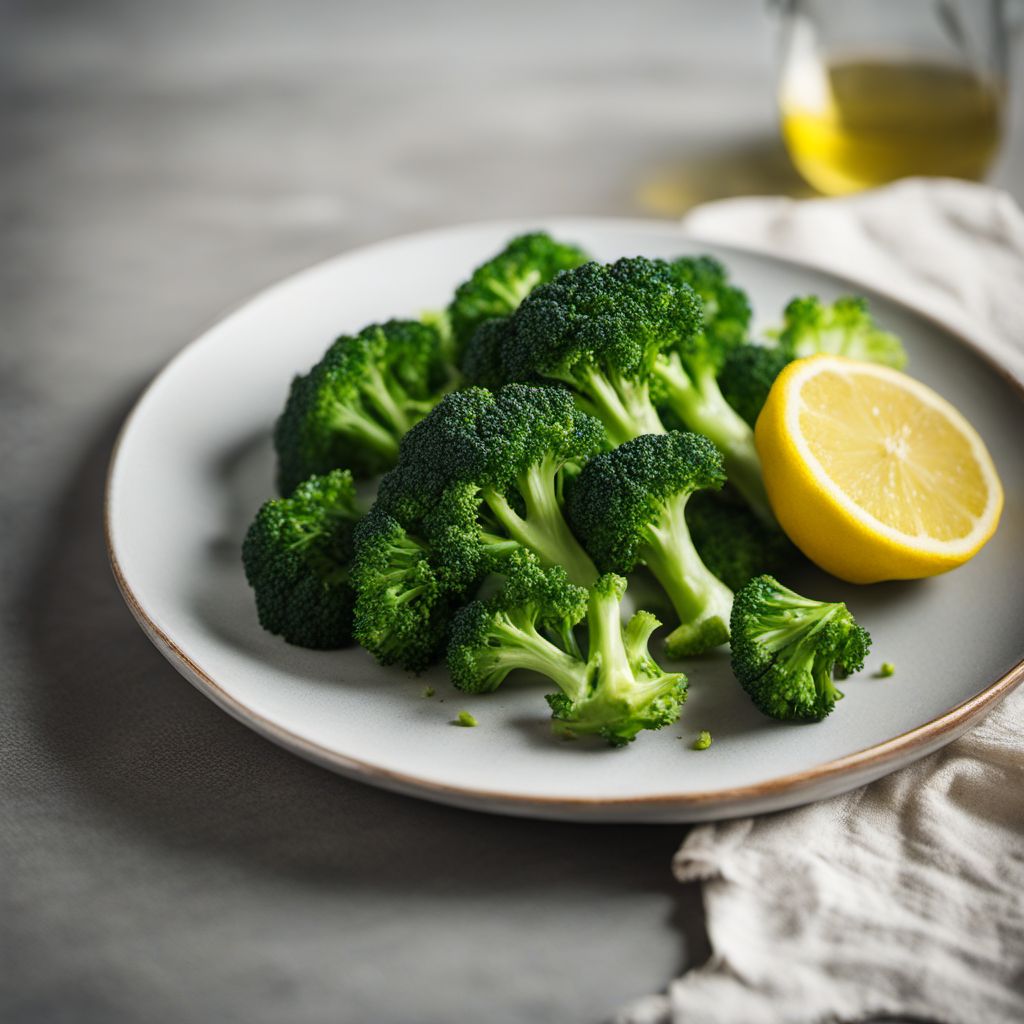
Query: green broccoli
527	625
785	647
844	328
703	740
352	408
402	607
297	555
629	506
687	375
726	307
497	287
482	363
615	691
747	376
480	478
598	330
732	542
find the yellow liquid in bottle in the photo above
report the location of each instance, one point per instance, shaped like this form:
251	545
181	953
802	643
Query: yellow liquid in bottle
875	121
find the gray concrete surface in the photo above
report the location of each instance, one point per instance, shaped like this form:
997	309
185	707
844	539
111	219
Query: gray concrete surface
161	162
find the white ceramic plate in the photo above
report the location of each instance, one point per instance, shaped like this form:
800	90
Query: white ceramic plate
194	462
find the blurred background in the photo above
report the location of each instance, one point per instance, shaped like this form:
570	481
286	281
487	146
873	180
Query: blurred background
231	142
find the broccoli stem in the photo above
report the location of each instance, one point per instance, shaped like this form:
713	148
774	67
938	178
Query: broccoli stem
511	293
701	600
699	403
366	430
544	529
377	392
624	406
518	645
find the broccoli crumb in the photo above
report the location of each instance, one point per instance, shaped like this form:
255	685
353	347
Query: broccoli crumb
703	741
465	719
429	691
887	669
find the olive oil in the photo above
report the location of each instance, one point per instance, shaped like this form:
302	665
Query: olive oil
861	123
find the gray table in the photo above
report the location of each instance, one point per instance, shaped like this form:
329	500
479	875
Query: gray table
160	163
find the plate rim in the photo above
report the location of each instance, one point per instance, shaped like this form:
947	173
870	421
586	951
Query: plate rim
873	759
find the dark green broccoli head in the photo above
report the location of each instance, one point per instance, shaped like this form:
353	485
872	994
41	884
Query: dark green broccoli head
732	542
402	609
297	556
607	319
598	329
352	408
844	328
747	376
481	364
526	625
497	287
726	307
628	506
624	495
785	648
483	472
623	690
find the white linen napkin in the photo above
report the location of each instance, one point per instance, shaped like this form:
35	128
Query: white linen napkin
904	897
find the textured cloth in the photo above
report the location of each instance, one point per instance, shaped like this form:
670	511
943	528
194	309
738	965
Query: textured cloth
905	897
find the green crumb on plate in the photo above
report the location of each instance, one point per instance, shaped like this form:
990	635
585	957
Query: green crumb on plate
464	718
887	669
429	691
703	741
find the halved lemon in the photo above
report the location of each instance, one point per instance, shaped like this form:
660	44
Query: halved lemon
872	474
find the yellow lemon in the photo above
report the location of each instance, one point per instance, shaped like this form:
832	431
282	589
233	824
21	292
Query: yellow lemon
873	475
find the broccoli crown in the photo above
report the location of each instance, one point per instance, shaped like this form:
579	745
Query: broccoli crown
732	542
481	363
726	307
747	376
628	506
785	647
608	319
497	287
402	608
353	406
485	469
622	689
297	555
622	496
526	625
844	328
478	479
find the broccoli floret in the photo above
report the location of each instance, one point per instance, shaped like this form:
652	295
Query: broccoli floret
352	408
726	307
493	467
598	330
615	691
477	480
401	608
496	288
732	542
703	740
297	556
844	328
785	647
629	506
527	625
482	363
465	719
687	375
747	376
622	690
887	669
